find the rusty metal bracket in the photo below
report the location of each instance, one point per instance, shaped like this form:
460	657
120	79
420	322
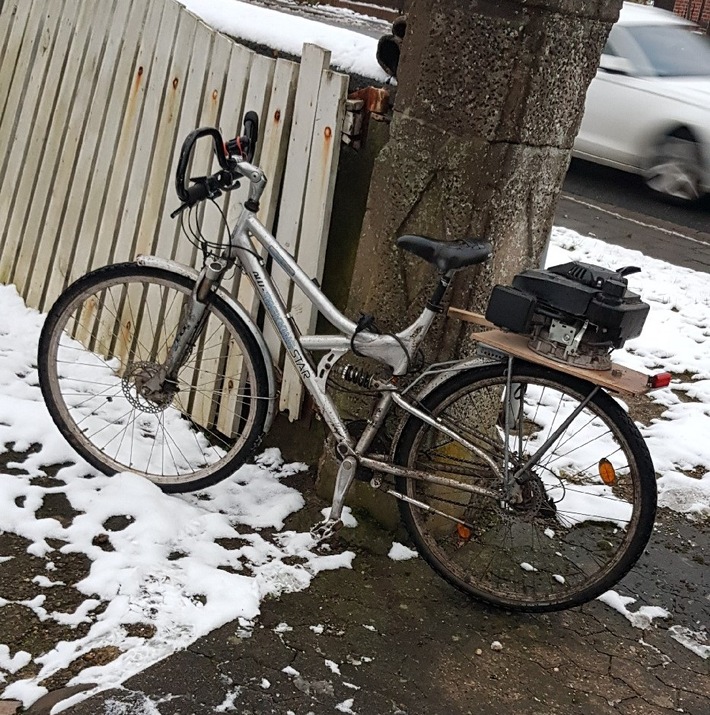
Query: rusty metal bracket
369	103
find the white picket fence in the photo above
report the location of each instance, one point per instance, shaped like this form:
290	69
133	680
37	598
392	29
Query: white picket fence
96	97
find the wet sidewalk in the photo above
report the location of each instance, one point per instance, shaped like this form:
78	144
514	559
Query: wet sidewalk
390	637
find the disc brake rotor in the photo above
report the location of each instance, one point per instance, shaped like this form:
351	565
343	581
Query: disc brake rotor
136	391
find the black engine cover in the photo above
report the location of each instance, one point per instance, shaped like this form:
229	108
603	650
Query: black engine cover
571	292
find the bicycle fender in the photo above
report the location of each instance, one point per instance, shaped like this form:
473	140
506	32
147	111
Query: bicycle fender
189	272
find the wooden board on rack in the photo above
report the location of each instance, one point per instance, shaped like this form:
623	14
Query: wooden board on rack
470	317
620	379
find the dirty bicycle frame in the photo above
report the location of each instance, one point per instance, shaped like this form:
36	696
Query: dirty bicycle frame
394	350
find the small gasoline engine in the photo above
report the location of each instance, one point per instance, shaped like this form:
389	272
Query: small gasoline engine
575	313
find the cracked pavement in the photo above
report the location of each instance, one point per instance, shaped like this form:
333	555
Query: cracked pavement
391	638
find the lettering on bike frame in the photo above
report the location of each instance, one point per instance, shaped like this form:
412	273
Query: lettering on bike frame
386	349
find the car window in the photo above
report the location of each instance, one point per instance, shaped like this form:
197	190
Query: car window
673	51
610	48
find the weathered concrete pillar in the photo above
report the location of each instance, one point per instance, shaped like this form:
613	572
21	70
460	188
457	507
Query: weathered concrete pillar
490	97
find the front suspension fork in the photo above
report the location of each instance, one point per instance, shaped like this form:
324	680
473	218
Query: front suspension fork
192	323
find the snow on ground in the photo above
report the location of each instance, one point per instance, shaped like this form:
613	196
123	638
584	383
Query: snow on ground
352	52
167	567
675	338
400	552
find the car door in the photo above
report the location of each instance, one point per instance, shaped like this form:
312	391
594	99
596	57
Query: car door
617	110
619	107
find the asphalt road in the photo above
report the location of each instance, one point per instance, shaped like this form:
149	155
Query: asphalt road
616	207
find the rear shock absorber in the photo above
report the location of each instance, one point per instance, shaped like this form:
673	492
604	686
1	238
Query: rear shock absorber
357	376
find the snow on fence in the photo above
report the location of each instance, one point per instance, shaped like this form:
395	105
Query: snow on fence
96	97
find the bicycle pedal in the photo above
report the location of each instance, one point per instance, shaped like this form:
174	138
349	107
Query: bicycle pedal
326	530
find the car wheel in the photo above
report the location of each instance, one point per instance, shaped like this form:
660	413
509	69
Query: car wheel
675	170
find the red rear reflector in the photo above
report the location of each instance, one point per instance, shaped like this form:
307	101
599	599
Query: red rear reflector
663	379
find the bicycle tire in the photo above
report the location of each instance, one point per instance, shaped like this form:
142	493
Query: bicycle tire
573	536
110	329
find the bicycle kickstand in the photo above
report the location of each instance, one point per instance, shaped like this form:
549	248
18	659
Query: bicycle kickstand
327	528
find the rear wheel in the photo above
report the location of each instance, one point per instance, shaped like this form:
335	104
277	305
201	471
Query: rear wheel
675	173
104	339
575	525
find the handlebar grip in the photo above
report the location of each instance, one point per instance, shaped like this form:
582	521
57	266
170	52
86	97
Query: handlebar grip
186	153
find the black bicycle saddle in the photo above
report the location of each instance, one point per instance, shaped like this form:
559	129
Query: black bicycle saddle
447	255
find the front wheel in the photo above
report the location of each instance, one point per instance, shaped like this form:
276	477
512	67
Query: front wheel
106	339
576	522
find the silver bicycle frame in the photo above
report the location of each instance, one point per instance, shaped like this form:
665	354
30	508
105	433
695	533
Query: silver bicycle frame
386	349
392	350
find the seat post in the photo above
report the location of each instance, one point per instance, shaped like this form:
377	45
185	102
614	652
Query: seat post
434	303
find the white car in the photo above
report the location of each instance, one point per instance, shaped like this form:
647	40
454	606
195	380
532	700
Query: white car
648	108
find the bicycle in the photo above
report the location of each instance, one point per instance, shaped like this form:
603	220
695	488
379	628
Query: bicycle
522	485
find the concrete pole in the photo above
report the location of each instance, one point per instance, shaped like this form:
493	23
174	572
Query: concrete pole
490	96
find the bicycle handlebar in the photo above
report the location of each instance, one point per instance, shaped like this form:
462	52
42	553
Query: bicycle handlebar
225	179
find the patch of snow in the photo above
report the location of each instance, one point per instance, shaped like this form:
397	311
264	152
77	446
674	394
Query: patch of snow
400	552
346	517
642	618
696	641
332	666
346	706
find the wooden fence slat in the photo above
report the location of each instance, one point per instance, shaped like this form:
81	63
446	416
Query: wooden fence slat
238	65
64	118
125	148
25	94
105	159
274	130
42	153
154	82
313	61
13	21
256	100
83	189
155	79
258	87
158	188
20	44
214	110
203	163
239	69
171	243
78	137
322	169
